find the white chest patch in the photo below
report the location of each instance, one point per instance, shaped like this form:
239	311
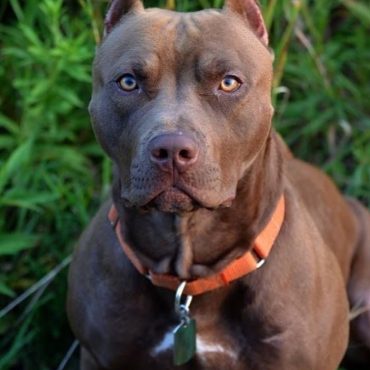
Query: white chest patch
206	349
164	345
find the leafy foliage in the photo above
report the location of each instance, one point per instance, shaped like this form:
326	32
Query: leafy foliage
53	174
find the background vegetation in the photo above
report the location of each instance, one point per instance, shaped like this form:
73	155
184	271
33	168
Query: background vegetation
53	175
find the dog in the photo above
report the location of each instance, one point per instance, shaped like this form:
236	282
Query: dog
218	249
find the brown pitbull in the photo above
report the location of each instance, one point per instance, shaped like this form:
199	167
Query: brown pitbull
206	192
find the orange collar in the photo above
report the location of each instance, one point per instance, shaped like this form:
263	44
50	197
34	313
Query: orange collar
242	266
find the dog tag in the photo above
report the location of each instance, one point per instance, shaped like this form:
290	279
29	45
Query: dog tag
184	342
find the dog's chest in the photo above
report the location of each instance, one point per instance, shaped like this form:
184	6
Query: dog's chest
215	348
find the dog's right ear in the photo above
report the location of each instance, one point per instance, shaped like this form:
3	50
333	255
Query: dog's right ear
117	9
250	10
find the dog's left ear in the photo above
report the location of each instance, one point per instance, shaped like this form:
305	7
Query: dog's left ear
250	10
117	9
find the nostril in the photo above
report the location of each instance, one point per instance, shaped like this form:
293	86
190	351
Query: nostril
160	153
185	154
163	154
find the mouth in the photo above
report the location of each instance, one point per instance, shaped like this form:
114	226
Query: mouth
178	200
174	200
178	195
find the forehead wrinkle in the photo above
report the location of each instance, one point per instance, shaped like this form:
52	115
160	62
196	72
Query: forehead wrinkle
188	47
217	64
186	35
141	63
213	67
186	32
191	26
144	67
163	37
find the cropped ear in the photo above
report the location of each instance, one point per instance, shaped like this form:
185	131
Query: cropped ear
250	10
117	9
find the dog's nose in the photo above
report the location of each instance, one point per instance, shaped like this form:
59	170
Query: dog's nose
173	150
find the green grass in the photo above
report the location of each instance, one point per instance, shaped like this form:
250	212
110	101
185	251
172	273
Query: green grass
53	175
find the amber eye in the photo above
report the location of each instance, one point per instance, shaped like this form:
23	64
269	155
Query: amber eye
229	84
127	82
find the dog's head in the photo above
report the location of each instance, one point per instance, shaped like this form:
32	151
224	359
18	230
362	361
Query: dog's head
181	101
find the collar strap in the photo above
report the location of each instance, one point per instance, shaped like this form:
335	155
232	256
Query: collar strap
250	261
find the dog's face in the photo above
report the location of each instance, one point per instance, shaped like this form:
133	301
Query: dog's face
181	103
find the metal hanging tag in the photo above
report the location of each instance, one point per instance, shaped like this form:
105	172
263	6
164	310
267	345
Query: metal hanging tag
185	333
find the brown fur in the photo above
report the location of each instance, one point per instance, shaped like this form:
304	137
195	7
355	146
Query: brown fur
291	314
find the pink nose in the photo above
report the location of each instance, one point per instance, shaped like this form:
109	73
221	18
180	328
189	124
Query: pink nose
169	151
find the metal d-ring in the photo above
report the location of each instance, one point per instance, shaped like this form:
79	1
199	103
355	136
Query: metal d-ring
182	309
260	263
